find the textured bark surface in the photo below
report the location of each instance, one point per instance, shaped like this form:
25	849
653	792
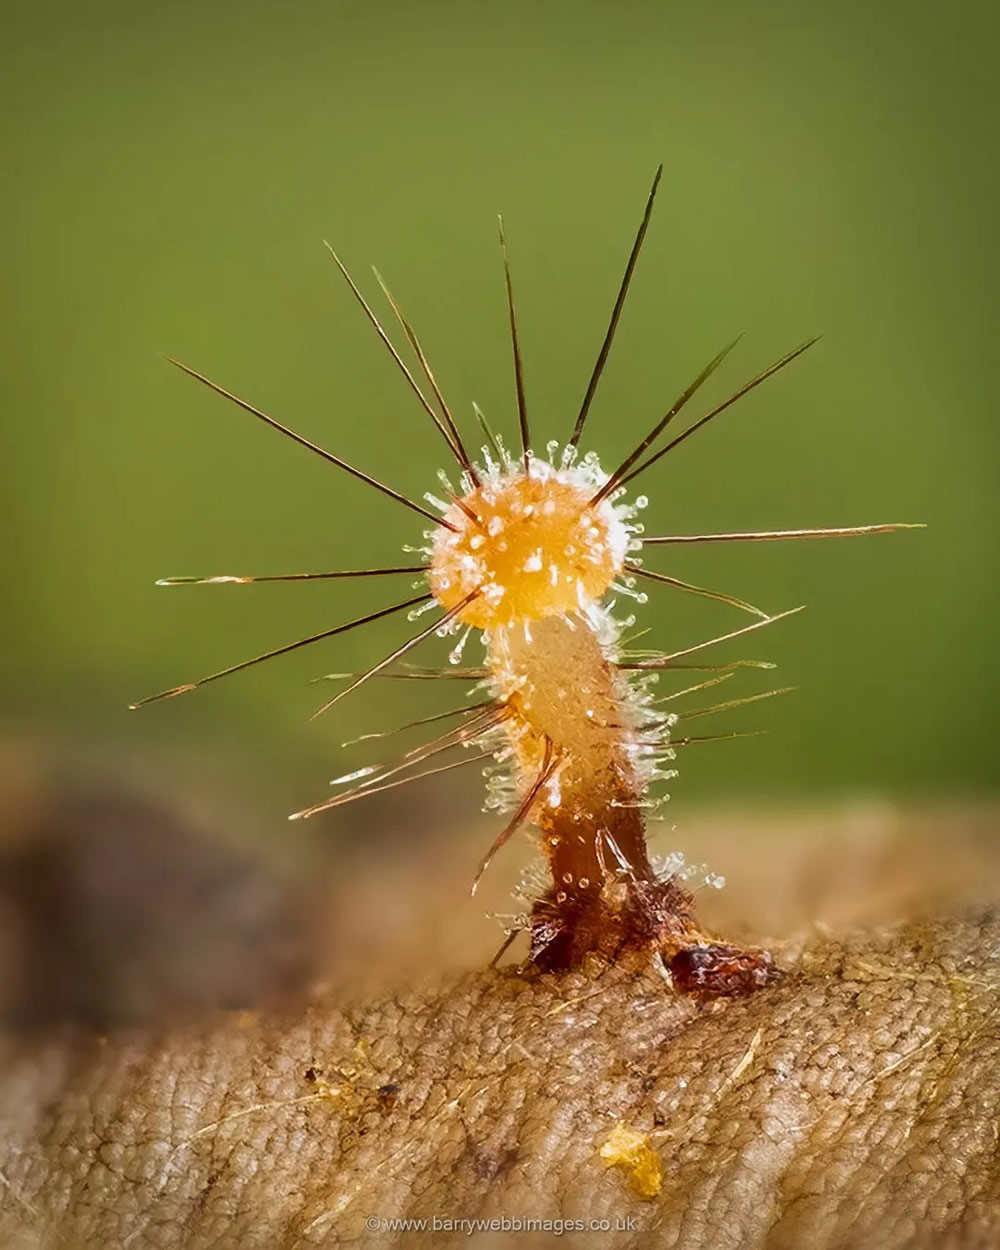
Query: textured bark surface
853	1105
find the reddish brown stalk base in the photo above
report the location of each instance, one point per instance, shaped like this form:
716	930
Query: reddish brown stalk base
631	914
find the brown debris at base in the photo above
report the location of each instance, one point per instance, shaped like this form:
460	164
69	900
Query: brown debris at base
634	917
718	970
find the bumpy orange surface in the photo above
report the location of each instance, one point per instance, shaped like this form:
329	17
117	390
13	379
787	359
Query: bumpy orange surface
537	549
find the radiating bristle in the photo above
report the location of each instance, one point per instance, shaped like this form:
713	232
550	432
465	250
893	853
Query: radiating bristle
550	763
619	474
291	646
740	733
491	713
305	442
616	312
488	434
701	685
394	655
400	362
761	536
232	579
453	437
522	407
417	674
505	945
695	590
734	703
716	668
414	724
665	661
340	799
728	403
462	735
375	778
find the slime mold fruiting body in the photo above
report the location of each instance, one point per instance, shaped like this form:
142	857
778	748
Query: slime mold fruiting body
530	554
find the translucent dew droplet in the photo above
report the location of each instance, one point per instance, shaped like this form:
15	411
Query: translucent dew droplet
355	776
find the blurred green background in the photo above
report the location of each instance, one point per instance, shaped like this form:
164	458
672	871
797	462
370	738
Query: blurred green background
170	173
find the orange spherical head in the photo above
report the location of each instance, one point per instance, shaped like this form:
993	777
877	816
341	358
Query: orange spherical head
536	548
